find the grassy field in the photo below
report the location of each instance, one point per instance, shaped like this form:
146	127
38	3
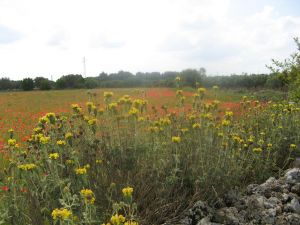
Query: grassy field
136	156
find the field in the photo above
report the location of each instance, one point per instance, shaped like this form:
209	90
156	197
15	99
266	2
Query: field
21	110
136	156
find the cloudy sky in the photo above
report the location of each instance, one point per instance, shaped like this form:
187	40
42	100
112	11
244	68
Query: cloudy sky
50	37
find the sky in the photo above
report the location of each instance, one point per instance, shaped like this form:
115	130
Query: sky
50	37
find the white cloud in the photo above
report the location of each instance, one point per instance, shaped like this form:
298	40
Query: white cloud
141	35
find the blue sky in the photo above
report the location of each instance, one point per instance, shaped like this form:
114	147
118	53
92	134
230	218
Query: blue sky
44	38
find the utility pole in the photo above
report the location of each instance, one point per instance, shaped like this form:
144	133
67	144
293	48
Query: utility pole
84	68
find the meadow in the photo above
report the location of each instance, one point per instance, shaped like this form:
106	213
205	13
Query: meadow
21	110
136	156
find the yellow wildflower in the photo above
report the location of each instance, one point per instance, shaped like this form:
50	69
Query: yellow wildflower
92	122
107	94
43	120
201	90
293	146
179	92
12	142
26	167
225	122
133	111
99	161
176	139
131	223
88	196
69	161
80	171
196	126
44	140
184	130
61	143
54	155
117	219
258	150
68	135
61	214
127	192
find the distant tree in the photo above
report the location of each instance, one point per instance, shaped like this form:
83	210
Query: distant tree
27	84
91	82
103	76
202	71
42	83
190	77
70	81
5	84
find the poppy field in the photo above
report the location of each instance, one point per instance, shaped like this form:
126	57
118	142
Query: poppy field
135	156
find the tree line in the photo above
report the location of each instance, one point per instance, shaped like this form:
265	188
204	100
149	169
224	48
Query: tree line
124	79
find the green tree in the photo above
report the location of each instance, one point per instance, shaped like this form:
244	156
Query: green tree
288	71
27	84
42	83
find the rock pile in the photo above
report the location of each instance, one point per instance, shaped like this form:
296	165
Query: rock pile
274	202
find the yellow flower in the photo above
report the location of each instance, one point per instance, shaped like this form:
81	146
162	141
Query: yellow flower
201	90
117	219
112	106
69	161
11	132
44	140
225	122
141	119
220	134
80	171
89	104
51	116
75	106
54	155
107	94
133	111
61	142
12	142
228	114
61	214
92	122
177	78
43	120
258	150
293	146
179	92
269	145
26	167
196	126
176	139
127	192
37	130
88	196
68	135
131	223
98	161
184	130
